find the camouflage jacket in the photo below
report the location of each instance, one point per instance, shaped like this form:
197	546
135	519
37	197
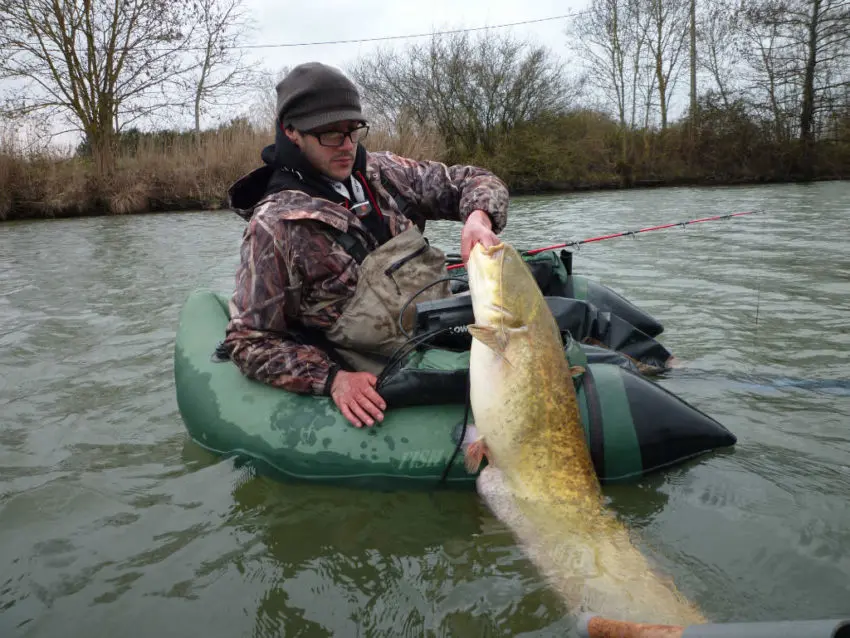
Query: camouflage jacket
294	274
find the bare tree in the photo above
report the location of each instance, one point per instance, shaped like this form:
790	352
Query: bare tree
692	28
473	89
666	33
96	62
264	103
768	54
821	31
609	37
801	66
717	36
220	69
26	137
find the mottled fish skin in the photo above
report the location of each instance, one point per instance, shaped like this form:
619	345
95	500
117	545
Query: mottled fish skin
540	480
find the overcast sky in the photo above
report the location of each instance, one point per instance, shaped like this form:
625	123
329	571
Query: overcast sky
322	20
281	22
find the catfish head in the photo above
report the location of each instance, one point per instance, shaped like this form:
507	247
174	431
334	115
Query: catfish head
504	293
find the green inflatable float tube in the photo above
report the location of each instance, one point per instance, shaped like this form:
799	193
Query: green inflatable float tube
633	425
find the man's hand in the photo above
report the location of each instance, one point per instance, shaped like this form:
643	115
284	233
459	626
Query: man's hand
476	229
356	397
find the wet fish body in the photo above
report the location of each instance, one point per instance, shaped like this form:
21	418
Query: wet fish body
540	479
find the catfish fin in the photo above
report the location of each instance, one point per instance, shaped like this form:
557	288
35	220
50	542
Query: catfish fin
475	453
598	627
490	337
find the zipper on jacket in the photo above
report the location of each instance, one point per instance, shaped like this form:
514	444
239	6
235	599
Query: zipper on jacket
401	262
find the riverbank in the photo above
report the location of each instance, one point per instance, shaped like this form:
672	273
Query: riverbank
677	182
101	204
579	152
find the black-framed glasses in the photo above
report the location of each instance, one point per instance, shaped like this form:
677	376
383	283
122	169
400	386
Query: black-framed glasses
337	138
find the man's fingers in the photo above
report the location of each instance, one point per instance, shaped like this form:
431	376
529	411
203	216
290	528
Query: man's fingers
489	239
348	415
358	400
369	406
465	247
474	235
360	413
376	398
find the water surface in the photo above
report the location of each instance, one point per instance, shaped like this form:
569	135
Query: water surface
113	523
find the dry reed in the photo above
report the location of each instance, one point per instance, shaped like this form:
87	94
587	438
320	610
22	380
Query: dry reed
577	150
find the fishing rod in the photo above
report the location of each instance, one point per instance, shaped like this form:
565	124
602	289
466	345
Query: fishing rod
627	233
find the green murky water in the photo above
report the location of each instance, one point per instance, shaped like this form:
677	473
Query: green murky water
112	523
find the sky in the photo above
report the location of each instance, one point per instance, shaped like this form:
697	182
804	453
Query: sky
282	22
278	22
323	20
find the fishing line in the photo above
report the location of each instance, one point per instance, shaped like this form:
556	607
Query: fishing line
400	353
628	233
462	436
412	344
758	305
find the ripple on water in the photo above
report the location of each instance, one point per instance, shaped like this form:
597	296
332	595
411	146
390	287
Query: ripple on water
110	521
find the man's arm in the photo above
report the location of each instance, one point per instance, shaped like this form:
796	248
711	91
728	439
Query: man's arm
447	192
266	290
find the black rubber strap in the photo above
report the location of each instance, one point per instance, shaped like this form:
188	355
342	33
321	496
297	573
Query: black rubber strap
351	245
594	414
404	204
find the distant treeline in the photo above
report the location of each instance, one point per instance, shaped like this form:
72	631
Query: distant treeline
583	150
578	150
761	92
765	86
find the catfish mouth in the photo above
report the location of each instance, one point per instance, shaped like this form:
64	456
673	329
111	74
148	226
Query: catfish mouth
490	304
491	251
484	270
482	256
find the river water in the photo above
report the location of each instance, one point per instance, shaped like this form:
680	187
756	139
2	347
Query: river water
113	523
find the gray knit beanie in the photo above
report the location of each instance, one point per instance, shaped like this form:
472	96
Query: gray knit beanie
315	94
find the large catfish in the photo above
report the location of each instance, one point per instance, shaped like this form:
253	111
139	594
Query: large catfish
540	479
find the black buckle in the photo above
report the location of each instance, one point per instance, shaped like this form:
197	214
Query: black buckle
220	354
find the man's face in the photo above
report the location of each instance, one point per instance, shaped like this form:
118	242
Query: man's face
334	161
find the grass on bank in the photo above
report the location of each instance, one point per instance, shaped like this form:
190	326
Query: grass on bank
579	150
179	173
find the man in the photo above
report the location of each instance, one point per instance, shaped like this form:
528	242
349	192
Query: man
334	248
